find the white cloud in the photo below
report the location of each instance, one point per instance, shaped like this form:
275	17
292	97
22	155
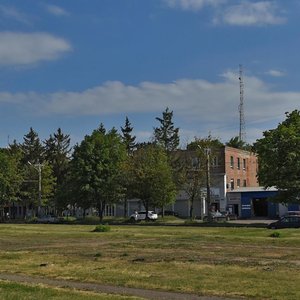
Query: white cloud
251	14
10	12
193	5
211	106
29	48
56	10
275	73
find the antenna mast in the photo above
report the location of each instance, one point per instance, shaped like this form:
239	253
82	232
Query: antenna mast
242	133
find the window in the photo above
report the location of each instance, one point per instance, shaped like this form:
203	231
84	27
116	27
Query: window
244	164
231	162
238	163
244	183
232	184
215	161
238	183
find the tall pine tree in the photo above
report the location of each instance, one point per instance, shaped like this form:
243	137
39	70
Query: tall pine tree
130	145
57	153
166	135
32	148
127	137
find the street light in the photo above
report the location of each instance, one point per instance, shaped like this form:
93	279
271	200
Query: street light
38	167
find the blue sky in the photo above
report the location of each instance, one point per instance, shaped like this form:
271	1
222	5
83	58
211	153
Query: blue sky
75	63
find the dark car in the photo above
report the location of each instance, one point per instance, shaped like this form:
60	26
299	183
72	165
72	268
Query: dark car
286	222
47	219
292	213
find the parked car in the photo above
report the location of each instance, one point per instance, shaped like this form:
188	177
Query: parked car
229	215
216	216
47	219
292	213
170	213
141	215
286	222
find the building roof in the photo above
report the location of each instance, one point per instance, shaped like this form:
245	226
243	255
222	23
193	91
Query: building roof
254	189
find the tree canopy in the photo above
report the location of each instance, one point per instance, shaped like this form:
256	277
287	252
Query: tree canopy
166	135
97	169
10	178
236	142
127	137
152	177
279	158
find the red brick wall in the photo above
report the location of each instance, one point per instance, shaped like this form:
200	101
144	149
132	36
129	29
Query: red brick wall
247	174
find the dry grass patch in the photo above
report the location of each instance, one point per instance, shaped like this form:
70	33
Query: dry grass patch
211	261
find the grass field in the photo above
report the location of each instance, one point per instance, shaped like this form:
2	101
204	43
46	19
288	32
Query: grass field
14	291
231	262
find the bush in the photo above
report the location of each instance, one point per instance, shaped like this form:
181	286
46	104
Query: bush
31	220
275	234
101	228
189	221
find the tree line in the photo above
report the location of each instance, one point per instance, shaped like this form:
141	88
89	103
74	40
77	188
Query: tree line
104	168
108	166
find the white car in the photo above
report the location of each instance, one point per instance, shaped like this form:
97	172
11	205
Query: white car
141	215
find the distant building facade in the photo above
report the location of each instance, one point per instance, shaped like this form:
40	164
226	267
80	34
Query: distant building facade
230	169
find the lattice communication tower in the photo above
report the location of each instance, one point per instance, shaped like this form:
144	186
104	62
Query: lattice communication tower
242	132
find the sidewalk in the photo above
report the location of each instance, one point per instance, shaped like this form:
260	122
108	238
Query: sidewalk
108	289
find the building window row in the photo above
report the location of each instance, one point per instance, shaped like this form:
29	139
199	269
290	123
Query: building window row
239	162
196	162
238	183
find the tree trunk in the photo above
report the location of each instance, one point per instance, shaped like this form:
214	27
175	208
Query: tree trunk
147	209
101	206
125	207
192	208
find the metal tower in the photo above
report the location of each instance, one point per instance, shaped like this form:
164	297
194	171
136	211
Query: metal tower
242	132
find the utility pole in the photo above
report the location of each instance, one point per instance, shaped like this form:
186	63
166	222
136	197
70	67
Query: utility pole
207	153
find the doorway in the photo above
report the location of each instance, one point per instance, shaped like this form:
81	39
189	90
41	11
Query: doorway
260	207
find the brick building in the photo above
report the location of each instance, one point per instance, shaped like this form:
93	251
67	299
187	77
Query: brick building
230	169
240	168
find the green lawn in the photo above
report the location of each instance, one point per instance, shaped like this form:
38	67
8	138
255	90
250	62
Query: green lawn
14	291
232	262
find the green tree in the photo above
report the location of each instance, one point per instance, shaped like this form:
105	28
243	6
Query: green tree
206	142
10	178
58	154
130	145
127	137
279	158
152	177
195	174
193	178
235	142
36	172
166	135
97	169
32	148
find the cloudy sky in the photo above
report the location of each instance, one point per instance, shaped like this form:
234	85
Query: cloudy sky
75	63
